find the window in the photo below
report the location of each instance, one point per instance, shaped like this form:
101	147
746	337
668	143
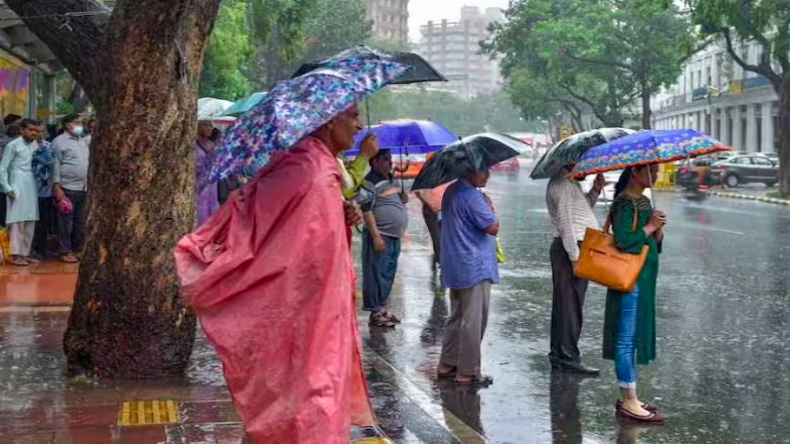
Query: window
742	161
710	77
759	160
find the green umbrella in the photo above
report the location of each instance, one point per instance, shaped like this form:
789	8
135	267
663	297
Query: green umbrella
245	104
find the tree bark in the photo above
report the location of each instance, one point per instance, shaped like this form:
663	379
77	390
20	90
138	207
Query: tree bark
647	113
127	320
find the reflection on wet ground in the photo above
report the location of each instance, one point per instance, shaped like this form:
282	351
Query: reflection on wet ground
721	375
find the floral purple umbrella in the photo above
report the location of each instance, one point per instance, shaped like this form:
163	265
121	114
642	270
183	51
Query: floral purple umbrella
645	148
295	108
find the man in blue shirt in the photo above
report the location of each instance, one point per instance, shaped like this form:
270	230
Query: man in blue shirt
469	268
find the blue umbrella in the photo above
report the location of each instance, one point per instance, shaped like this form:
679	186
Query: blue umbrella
407	137
243	105
295	108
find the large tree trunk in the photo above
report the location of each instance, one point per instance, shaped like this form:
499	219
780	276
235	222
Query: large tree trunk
127	319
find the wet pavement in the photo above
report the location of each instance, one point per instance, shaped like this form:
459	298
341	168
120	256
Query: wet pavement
721	375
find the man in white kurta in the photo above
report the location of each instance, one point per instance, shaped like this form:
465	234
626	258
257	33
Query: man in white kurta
19	183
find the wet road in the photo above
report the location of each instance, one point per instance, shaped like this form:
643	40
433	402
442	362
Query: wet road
722	373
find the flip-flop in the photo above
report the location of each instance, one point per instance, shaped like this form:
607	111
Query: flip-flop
19	263
69	259
32	261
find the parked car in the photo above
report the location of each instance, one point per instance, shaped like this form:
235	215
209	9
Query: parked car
511	165
607	195
752	168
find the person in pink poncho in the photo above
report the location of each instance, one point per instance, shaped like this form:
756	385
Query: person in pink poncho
271	278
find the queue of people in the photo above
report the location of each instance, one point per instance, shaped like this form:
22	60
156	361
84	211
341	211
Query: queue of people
44	182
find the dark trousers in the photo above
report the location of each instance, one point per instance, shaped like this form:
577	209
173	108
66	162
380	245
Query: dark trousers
567	305
47	223
378	271
71	227
435	230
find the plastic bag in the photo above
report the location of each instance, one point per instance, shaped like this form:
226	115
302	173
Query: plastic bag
5	243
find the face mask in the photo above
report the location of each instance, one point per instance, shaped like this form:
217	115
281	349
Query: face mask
78	130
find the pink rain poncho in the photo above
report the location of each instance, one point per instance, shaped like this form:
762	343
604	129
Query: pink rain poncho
272	282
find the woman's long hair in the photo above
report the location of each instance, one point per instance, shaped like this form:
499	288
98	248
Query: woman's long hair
622	184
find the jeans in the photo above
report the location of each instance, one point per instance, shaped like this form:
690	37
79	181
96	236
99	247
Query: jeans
626	339
378	271
71	227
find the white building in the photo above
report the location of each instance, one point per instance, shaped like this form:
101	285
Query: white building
454	49
390	19
741	109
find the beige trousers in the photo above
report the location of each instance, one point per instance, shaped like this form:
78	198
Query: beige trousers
20	236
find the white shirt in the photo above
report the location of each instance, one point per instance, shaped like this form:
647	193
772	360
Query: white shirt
571	212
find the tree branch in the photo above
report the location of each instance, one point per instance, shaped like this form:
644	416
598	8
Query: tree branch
84	57
761	69
629	68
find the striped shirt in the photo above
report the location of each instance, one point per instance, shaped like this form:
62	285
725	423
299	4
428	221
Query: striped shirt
570	211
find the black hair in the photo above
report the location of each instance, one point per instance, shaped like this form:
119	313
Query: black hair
622	184
70	118
382	152
11	118
27	123
12	131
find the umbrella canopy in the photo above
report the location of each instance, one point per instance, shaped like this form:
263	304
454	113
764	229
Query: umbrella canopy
420	70
570	150
209	107
644	148
294	109
245	104
473	153
407	136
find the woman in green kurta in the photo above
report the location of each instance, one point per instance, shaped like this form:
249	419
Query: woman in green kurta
630	324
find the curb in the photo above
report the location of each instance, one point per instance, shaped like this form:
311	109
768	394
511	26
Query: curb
726	195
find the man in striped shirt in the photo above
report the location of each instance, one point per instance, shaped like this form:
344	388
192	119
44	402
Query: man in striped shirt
571	213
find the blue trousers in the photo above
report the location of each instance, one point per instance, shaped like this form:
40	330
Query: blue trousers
626	339
378	271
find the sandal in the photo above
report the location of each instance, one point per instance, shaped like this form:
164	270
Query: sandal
447	375
32	261
482	380
392	317
649	407
19	262
69	259
380	320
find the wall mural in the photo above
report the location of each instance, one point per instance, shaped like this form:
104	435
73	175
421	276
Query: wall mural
14	86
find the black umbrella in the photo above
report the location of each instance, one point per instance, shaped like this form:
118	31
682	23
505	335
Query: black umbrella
421	70
473	153
571	149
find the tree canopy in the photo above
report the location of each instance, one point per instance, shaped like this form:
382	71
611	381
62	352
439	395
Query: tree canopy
602	54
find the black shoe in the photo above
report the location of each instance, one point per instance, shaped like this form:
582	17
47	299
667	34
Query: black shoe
574	367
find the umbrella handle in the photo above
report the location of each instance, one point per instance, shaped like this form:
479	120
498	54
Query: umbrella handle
367	112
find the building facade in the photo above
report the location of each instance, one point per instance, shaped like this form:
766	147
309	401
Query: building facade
714	95
454	49
390	19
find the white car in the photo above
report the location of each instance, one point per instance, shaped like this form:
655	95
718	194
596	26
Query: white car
607	195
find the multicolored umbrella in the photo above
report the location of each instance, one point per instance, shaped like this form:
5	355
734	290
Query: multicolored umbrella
473	153
407	137
570	150
294	109
644	148
420	70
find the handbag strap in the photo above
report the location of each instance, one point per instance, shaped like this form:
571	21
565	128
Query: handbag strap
607	225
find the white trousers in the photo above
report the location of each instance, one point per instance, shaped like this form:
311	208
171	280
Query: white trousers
20	236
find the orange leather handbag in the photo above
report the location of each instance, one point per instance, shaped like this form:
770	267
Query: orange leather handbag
600	261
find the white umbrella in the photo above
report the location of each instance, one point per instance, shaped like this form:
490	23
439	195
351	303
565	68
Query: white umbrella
209	107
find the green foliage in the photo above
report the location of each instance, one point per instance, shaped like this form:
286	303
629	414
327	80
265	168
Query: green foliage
485	113
598	54
229	54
